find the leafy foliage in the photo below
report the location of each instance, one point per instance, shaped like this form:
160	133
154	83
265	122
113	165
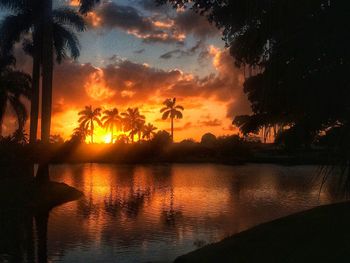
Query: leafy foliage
111	120
298	57
25	19
13	86
133	122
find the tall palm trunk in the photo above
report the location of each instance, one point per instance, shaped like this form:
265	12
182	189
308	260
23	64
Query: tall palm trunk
47	72
47	63
112	134
172	129
41	223
92	131
34	108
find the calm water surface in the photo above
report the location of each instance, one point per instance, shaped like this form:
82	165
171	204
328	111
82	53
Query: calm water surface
156	213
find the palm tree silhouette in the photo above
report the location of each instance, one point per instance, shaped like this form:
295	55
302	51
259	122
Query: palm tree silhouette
13	85
79	134
27	16
47	60
123	138
88	118
173	111
111	120
133	121
139	128
148	131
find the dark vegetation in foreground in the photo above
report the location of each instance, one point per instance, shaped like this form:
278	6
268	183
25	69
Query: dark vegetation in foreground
321	234
227	149
24	212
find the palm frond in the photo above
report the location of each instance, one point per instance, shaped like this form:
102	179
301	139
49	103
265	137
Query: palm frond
20	110
178	115
11	30
82	118
98	121
166	115
105	118
17	82
179	107
69	17
163	109
65	39
83	112
12	5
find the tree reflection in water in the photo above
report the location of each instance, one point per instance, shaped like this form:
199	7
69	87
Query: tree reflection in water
20	239
171	215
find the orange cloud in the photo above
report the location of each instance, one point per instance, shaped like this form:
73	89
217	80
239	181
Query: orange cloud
96	87
74	2
93	19
127	84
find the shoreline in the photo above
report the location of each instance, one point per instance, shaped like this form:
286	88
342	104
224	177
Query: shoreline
150	153
321	234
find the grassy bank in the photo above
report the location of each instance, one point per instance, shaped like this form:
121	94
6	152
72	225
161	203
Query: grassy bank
318	235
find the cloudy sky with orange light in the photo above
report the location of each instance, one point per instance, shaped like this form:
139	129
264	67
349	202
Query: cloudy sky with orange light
136	54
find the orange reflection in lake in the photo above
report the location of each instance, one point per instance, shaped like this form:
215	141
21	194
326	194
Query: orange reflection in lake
149	213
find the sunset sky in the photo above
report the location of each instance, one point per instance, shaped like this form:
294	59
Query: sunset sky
135	54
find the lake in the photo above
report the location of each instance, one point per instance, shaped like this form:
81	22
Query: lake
154	213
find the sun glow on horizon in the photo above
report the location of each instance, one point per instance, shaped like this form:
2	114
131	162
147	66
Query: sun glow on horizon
107	138
192	126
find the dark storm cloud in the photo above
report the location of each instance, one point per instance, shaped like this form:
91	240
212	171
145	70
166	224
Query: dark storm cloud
171	54
179	53
125	17
151	5
190	22
140	51
110	15
165	27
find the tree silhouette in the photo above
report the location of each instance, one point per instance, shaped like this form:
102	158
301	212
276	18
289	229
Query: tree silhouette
111	120
148	131
123	138
172	111
88	118
13	85
27	16
133	121
47	61
79	134
56	139
20	136
139	129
